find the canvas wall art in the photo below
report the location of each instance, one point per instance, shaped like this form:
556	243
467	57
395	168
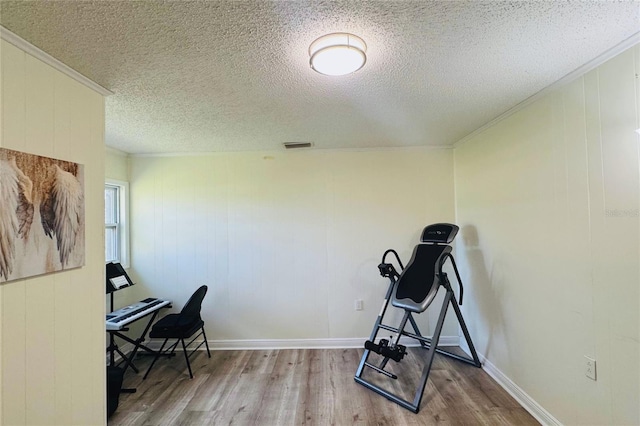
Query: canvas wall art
42	215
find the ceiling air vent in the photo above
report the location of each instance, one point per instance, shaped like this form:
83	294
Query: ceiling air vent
294	145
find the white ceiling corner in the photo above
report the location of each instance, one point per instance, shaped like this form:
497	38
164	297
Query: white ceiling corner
203	76
43	56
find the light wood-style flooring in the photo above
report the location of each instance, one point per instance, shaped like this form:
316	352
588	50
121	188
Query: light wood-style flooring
309	387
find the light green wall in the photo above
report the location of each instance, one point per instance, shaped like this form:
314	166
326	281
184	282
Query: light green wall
548	202
116	165
52	326
285	241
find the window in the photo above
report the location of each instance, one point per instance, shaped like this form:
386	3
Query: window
116	235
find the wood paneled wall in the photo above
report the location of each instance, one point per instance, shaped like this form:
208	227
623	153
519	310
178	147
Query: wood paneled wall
52	326
549	203
286	241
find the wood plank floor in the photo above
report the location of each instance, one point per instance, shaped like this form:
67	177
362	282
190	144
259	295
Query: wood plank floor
309	387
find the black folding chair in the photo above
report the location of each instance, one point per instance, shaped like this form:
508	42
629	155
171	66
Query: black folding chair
181	326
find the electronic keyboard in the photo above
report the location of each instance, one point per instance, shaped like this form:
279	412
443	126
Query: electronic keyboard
116	320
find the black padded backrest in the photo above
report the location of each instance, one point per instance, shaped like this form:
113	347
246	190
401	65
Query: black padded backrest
419	276
191	310
419	281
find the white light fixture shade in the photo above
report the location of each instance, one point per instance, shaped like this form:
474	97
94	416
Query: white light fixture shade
337	54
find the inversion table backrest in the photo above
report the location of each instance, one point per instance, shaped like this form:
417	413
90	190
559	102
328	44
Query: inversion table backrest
419	281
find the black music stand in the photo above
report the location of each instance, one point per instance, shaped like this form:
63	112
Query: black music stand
117	279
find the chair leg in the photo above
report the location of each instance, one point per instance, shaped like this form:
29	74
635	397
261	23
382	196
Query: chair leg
204	336
186	357
155	358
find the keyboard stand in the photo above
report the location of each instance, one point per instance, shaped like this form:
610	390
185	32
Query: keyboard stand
137	344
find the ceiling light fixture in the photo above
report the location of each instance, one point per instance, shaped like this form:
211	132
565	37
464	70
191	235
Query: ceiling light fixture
337	54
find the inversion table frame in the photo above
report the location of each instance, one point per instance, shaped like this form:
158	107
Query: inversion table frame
431	344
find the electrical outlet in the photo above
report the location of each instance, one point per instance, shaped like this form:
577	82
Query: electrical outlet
358	304
590	368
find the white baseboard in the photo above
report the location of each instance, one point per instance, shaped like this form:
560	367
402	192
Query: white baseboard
335	343
265	344
528	403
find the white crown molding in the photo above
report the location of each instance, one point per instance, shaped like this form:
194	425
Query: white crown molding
573	75
38	53
303	151
528	403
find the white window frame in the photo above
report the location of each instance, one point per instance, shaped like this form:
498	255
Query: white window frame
123	224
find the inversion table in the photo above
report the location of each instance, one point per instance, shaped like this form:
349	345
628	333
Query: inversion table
413	290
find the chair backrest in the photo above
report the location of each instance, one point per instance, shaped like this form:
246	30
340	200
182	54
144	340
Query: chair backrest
191	310
419	281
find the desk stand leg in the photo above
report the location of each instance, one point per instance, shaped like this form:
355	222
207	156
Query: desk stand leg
137	344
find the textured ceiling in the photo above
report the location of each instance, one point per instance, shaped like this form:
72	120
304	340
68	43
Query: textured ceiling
199	76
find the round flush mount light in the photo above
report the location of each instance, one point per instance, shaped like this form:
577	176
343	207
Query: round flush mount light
337	54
